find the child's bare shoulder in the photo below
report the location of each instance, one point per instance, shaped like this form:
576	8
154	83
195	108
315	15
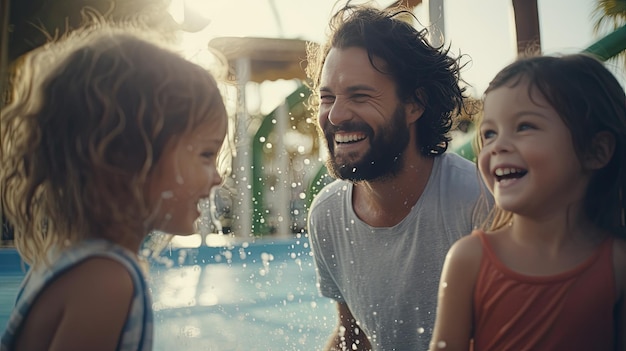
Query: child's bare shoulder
95	287
98	285
468	248
99	276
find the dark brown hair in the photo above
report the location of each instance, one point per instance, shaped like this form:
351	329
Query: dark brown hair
589	100
423	73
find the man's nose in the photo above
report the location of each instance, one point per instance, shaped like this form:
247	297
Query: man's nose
339	112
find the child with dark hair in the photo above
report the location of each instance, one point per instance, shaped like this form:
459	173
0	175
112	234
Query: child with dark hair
549	271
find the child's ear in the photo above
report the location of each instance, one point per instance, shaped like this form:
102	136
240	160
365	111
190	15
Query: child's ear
601	150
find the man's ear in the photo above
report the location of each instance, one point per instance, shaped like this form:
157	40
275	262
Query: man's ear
414	108
601	150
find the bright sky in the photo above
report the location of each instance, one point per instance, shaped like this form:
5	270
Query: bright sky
481	29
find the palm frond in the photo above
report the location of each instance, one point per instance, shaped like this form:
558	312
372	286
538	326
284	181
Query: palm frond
609	13
609	17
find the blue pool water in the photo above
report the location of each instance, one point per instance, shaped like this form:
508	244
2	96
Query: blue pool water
249	296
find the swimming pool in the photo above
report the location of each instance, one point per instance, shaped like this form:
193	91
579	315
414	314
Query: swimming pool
257	295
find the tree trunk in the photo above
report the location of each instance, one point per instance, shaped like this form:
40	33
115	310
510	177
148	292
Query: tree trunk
527	27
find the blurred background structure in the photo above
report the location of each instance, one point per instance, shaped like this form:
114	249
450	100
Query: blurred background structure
277	165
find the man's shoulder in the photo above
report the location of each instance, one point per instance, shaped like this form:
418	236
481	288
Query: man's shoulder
458	174
333	191
453	160
454	166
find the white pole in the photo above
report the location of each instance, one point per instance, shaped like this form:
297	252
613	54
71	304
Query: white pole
242	170
283	185
436	20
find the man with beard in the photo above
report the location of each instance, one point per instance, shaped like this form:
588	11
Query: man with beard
380	232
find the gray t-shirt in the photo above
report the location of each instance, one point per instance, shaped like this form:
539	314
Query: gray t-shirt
389	276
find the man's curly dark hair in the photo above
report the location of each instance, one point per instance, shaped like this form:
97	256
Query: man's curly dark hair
422	72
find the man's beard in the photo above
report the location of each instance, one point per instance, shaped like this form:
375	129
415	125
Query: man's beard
383	159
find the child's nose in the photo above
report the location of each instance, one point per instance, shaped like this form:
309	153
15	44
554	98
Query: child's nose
501	144
216	179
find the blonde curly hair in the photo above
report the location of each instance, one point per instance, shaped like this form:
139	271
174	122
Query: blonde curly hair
89	118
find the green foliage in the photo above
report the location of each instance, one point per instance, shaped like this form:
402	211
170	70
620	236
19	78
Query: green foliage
609	16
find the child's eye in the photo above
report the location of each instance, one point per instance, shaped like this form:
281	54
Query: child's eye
487	134
525	126
208	154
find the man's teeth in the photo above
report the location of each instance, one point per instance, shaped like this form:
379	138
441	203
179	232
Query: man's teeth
506	171
347	138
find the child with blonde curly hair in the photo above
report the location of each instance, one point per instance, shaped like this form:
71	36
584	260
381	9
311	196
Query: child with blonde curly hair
108	136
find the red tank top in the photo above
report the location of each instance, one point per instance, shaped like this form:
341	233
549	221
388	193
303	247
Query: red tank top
568	311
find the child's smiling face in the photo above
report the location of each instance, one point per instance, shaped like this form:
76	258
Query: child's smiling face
185	174
528	159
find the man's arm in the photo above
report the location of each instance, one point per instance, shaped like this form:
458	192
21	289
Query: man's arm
348	336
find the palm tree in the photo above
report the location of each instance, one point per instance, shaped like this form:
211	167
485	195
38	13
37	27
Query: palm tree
613	11
610	16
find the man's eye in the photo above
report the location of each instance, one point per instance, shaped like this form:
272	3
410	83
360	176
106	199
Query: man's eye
359	97
327	99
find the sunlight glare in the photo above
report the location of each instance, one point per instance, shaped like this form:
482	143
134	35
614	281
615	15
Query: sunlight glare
186	241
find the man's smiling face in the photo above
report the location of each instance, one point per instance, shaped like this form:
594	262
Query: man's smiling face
361	117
